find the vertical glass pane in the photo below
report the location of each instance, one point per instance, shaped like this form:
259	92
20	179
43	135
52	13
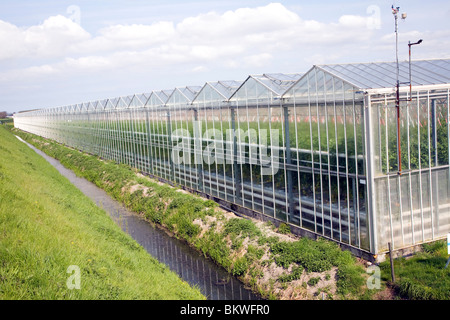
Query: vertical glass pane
443	220
424	131
363	218
442	138
383	222
426	205
392	146
414	130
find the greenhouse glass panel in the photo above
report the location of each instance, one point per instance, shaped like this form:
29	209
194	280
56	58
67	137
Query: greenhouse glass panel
413	207
182	127
319	151
327	123
211	104
258	122
155	116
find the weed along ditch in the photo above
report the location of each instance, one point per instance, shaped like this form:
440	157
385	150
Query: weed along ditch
47	224
212	280
225	255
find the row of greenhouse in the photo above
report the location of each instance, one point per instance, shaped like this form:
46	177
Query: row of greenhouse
318	150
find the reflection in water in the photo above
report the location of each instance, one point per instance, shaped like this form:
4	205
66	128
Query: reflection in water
213	281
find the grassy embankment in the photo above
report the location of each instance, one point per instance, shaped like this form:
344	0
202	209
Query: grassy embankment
422	276
275	264
47	225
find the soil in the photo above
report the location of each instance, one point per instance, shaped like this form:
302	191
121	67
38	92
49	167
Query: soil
325	286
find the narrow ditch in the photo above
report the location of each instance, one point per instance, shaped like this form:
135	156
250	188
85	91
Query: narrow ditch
213	281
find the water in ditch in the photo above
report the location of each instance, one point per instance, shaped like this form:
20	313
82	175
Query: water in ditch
213	281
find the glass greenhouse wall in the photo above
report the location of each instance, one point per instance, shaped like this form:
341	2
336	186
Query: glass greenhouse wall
319	151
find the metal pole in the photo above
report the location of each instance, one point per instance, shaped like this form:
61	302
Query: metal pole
410	73
397	100
170	147
448	250
434	132
237	178
290	194
149	142
392	262
198	159
410	77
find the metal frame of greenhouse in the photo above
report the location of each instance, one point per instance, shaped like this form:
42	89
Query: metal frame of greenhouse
319	151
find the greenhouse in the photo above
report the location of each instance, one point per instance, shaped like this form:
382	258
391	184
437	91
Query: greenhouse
339	152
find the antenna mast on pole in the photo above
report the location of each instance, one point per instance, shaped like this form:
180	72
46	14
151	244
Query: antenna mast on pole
395	11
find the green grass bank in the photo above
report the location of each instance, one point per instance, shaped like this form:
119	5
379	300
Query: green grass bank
269	260
47	226
422	276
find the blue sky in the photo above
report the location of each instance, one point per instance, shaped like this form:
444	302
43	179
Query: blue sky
57	53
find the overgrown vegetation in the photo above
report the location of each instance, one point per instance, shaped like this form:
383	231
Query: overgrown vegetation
240	246
48	225
241	227
422	276
284	228
250	250
237	244
6	121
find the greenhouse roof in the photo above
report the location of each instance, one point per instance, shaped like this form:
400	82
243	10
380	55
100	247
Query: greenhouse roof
162	95
278	83
364	76
225	88
384	74
188	93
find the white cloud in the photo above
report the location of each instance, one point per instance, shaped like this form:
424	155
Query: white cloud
55	37
199	69
258	60
352	21
239	23
136	36
258	32
11	39
251	38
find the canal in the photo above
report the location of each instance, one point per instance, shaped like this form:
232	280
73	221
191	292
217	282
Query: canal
212	280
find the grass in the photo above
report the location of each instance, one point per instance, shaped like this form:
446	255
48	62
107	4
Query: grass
242	248
321	256
237	244
242	227
422	276
48	225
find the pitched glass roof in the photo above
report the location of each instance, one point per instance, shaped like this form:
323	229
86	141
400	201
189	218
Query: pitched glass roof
384	74
375	75
277	83
184	93
159	97
226	88
137	100
222	89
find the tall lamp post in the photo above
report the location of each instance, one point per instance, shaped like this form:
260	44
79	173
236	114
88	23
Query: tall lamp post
395	11
410	77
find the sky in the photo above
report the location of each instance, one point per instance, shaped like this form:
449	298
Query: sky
57	52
